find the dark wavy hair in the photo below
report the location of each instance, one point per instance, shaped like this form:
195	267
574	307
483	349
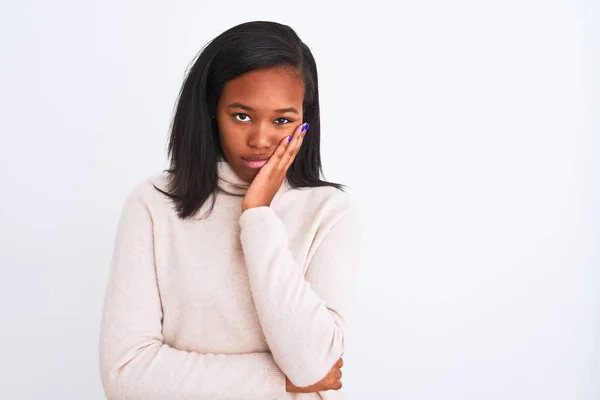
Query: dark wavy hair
194	147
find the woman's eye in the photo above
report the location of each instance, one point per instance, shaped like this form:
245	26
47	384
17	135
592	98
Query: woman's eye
285	121
242	117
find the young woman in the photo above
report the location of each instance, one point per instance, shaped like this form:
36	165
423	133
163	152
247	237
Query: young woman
233	272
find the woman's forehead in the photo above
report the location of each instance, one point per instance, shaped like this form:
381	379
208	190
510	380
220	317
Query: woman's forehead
271	88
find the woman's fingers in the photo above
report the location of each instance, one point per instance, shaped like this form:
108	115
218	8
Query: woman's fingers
280	150
287	150
294	146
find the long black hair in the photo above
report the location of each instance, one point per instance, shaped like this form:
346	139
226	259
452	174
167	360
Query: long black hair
194	147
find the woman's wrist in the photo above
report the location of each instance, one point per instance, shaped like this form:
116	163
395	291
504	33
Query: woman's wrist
291	388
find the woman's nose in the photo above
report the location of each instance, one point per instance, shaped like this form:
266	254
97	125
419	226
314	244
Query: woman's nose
262	136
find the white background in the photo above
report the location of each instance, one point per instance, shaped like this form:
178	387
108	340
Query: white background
464	129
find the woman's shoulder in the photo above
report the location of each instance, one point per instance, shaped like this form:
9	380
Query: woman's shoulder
148	191
328	201
327	194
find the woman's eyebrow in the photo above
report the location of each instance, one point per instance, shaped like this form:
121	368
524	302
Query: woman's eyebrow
279	110
240	105
286	110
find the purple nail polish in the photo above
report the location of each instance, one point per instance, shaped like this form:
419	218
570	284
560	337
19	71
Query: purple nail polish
307	125
289	138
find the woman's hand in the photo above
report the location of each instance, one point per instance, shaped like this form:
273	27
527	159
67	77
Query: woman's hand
270	177
332	381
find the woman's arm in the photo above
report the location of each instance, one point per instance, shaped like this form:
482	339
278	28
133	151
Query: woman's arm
303	317
134	361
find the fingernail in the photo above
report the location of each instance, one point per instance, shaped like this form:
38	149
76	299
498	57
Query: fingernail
305	127
289	138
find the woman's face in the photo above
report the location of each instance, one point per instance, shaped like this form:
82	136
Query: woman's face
255	112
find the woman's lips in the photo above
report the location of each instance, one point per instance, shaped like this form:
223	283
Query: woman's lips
255	163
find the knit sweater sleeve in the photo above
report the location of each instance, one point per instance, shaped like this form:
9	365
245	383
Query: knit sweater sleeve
135	363
304	317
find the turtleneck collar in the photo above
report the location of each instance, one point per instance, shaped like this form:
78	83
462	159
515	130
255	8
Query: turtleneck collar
230	182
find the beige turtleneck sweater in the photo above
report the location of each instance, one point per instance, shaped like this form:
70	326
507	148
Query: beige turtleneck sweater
226	307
